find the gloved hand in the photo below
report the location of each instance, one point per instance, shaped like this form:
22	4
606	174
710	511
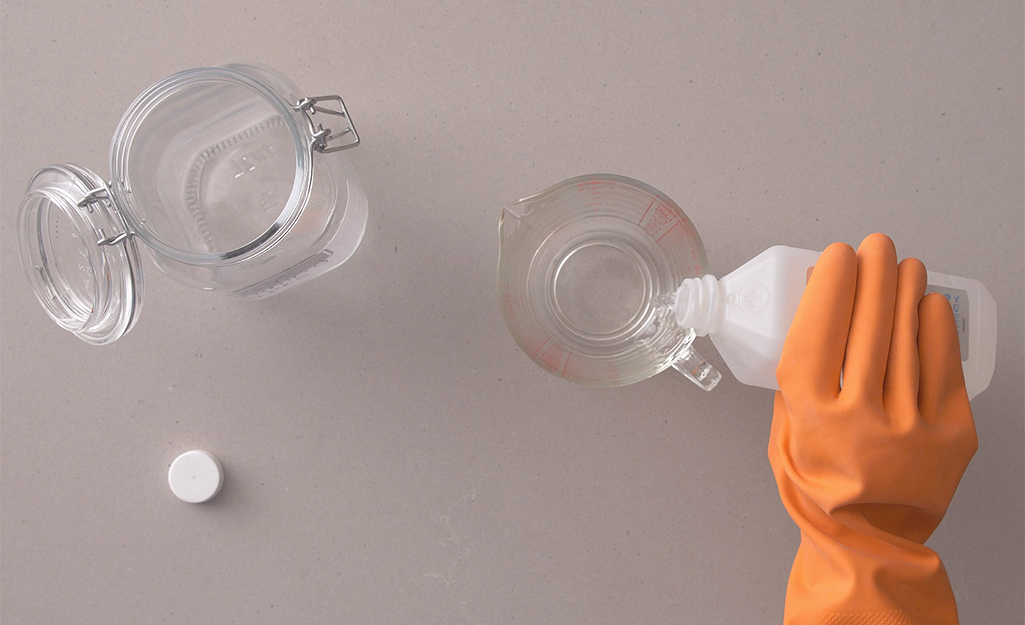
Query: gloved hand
871	433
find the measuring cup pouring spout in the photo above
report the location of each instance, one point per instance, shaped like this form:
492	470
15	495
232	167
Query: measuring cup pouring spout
507	225
514	215
587	274
517	211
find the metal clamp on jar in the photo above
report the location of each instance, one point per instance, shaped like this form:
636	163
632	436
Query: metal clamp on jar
229	177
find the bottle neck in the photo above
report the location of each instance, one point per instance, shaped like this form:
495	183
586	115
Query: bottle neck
700	304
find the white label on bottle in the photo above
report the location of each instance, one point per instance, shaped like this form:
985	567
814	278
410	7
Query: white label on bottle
959	302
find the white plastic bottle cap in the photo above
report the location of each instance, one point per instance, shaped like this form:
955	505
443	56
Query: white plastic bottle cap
195	476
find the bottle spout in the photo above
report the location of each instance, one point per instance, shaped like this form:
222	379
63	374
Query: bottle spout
700	304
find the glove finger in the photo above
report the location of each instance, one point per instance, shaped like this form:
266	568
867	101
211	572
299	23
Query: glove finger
942	378
813	352
779	414
943	399
868	345
900	390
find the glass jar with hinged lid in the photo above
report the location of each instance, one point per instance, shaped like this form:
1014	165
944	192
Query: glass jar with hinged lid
229	177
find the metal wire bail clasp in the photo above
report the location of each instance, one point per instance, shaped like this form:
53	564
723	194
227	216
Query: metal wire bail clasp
323	137
102	194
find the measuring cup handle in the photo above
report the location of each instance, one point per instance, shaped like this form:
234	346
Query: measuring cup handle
694	366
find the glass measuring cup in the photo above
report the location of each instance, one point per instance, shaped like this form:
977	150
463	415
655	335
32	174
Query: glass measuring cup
587	274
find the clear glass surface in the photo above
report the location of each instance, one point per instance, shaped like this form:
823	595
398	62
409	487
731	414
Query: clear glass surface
586	277
213	170
89	289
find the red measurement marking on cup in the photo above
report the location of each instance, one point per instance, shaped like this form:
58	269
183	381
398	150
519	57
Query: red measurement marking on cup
595	189
510	303
666	232
552	356
646	211
679	241
534	355
563	373
658	220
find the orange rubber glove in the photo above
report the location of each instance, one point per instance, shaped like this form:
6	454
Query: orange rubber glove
871	433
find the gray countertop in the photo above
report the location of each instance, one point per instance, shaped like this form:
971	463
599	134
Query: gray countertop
390	455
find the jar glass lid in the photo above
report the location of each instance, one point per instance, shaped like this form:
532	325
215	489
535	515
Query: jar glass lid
84	267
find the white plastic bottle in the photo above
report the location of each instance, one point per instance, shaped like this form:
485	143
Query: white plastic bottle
747	315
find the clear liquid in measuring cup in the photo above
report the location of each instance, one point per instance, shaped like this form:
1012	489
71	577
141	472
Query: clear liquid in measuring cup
587	271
